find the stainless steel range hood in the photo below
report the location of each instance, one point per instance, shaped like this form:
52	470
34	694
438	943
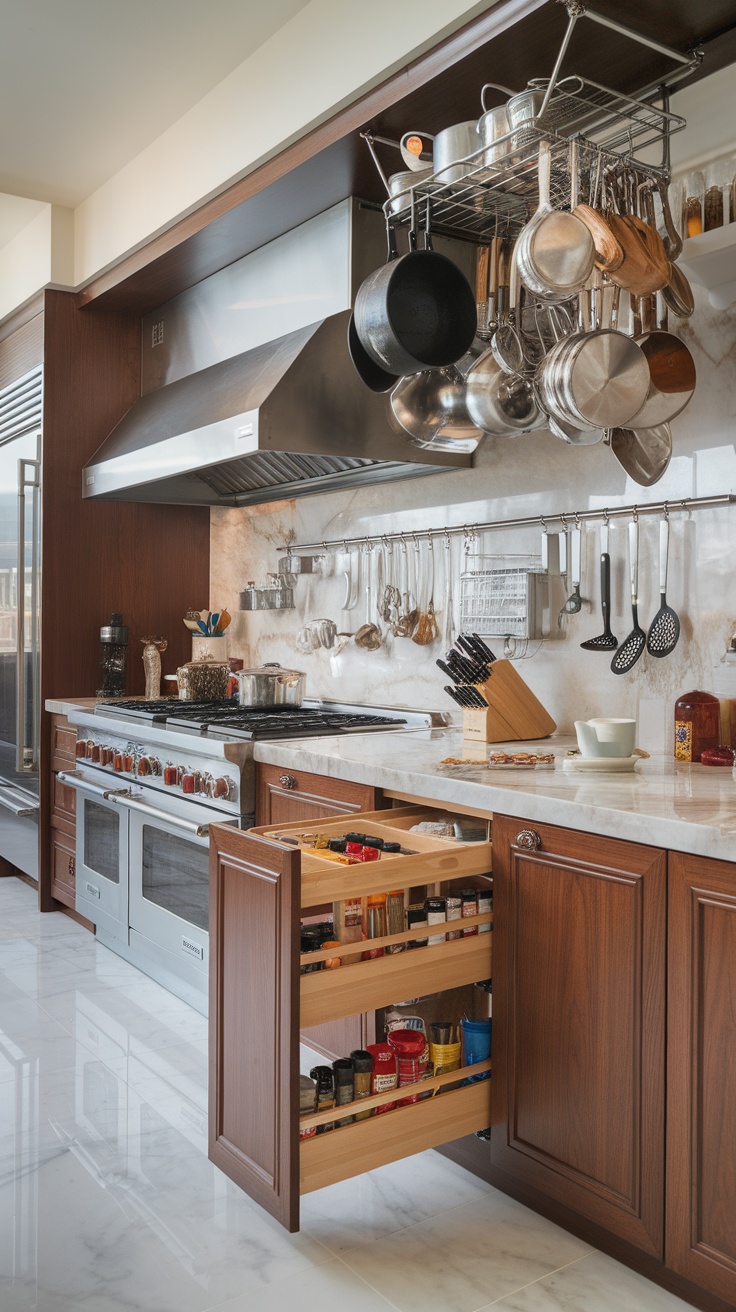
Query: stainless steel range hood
286	417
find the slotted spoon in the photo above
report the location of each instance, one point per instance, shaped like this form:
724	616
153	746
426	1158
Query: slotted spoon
632	647
665	627
606	640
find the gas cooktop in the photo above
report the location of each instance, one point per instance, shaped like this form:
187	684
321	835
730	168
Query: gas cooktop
226	719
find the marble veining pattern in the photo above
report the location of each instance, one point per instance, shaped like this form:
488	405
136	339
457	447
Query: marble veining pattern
109	1204
533	475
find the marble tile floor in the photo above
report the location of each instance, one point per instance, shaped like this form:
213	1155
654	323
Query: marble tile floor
109	1204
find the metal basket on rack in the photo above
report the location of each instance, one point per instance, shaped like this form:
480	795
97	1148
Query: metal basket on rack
507	598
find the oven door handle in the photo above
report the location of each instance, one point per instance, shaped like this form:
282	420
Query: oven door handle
133	804
19	806
77	780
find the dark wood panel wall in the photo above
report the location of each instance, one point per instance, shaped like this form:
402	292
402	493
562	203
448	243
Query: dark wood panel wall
150	562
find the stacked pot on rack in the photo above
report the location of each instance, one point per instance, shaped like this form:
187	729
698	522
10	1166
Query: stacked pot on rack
567	329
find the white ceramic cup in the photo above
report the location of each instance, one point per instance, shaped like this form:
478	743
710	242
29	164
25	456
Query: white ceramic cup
615	737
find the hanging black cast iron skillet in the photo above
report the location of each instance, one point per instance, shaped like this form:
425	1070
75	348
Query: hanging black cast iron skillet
416	312
378	379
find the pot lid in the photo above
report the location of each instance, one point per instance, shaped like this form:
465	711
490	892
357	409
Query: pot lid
275	670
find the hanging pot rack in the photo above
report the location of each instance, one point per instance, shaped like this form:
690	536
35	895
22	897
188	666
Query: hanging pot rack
563	518
612	129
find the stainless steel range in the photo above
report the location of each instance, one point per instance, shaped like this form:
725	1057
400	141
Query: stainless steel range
151	778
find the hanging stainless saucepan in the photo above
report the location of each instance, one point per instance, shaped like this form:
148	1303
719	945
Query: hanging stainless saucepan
415	312
501	403
555	252
671	376
591	378
430	410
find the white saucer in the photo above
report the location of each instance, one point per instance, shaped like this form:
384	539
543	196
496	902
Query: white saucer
603	764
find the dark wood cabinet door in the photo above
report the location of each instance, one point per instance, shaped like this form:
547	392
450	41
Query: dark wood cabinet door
284	796
578	1023
254	1018
701	1074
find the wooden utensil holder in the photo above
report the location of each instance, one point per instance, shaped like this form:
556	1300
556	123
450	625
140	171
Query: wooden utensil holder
513	713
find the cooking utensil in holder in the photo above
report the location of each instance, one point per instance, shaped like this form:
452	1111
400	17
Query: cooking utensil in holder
513	713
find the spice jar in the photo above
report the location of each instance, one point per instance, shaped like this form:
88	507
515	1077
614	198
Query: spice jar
375	926
692	204
307	1103
385	1073
724	687
436	909
325	1080
697	725
469	899
344	1084
362	1071
412	1055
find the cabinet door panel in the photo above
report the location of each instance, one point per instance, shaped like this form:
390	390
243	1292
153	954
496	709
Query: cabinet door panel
701	1074
254	1019
578	1051
283	796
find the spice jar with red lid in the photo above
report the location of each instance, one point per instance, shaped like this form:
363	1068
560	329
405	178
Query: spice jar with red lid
385	1073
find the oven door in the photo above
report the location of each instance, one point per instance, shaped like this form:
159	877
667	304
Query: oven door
169	883
102	855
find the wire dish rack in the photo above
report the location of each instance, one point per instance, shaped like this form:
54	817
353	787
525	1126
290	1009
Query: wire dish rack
499	189
507	598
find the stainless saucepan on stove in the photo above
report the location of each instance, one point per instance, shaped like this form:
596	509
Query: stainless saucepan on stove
271	685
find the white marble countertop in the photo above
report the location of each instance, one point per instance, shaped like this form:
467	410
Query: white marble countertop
664	803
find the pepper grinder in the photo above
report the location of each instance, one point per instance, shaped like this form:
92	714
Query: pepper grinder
113	657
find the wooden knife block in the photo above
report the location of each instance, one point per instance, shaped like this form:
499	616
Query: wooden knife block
513	713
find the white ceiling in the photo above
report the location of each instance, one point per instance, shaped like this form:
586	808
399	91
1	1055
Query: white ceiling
85	85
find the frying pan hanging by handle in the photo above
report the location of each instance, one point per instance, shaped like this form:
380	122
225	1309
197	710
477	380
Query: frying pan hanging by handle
416	312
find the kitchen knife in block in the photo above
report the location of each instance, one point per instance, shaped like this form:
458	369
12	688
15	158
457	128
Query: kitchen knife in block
514	714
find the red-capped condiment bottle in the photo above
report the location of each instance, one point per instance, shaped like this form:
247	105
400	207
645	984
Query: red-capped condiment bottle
385	1073
697	725
411	1051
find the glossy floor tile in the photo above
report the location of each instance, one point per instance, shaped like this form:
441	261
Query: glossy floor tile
108	1202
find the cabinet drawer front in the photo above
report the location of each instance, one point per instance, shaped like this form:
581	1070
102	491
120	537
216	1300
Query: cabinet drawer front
284	796
63	803
63	861
63	743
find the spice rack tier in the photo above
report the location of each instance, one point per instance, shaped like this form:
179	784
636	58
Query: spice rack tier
260	889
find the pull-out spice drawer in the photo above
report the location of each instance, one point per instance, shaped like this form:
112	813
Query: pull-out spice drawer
262	884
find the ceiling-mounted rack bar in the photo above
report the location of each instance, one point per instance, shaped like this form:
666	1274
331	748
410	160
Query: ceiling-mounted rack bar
563	518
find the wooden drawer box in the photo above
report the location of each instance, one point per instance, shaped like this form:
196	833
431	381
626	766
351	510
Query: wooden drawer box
260	888
63	743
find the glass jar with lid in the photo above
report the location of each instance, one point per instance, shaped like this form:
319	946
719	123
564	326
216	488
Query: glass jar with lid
203	681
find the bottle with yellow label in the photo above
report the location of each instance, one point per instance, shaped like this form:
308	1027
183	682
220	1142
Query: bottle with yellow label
697	725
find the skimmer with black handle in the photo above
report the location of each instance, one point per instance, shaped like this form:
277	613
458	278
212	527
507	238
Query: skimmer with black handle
665	628
632	647
606	640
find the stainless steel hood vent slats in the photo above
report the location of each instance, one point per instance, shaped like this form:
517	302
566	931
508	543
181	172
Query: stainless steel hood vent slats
284	418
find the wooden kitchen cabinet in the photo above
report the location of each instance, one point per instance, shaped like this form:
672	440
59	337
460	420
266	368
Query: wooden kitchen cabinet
259	890
701	1074
283	796
579	1024
62	812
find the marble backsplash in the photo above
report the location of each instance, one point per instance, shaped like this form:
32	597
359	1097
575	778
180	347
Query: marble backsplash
532	475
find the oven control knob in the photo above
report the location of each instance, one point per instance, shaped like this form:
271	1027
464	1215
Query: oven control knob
223	787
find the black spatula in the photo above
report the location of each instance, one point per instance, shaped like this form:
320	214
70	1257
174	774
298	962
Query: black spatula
665	629
632	647
606	641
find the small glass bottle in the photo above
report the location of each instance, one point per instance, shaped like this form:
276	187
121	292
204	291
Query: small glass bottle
697	725
113	657
692	204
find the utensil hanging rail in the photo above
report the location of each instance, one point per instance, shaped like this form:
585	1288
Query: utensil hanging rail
565	518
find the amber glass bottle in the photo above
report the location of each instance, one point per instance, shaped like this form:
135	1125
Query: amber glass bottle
697	725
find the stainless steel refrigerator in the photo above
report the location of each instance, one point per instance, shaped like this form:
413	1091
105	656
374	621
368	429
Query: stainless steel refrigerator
20	581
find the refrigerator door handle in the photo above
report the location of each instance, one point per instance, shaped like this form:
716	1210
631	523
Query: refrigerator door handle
12	802
23	764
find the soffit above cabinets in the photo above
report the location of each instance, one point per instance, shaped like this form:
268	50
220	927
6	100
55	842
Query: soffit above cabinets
513	41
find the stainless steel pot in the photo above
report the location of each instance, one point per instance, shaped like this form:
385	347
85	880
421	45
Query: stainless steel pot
493	124
454	144
400	185
271	685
